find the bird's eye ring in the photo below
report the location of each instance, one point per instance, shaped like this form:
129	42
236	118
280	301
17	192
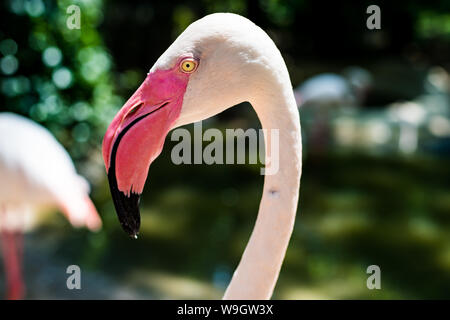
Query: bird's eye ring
188	65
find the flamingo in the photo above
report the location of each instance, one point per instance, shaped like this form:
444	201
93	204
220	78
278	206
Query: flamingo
219	61
330	89
321	94
35	173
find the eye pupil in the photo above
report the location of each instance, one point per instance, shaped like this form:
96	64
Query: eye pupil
188	66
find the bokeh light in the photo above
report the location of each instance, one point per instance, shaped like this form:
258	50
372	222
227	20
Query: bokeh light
8	47
52	56
62	77
9	65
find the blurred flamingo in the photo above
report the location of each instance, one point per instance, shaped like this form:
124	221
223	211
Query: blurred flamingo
334	89
217	62
35	173
320	95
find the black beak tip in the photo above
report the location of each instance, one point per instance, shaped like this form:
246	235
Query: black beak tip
127	208
130	226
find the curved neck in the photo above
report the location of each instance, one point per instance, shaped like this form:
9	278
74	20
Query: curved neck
258	270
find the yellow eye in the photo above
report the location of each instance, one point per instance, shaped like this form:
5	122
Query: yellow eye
188	66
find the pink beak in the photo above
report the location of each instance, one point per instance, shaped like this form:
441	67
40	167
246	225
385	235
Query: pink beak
136	137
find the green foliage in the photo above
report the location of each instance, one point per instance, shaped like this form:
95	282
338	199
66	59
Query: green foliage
58	76
433	24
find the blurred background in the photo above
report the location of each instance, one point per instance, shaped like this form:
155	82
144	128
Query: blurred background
375	115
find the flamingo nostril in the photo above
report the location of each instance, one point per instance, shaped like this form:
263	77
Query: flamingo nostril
134	109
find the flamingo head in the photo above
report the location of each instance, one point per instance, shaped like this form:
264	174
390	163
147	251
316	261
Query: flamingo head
206	70
136	137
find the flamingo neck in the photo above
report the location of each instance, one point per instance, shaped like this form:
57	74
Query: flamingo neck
257	272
